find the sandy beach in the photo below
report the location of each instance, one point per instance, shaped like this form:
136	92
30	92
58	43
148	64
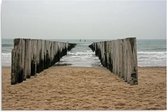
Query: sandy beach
85	88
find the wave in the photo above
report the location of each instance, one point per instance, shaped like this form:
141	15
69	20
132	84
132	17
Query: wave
152	49
149	52
155	55
6	54
88	52
144	58
152	58
7	45
6	59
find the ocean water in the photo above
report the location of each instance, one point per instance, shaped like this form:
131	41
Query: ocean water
81	55
150	53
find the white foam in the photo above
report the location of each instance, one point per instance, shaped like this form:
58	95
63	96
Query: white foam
152	58
88	58
81	53
6	59
83	59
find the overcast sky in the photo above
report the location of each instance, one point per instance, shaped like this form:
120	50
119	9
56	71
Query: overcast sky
84	19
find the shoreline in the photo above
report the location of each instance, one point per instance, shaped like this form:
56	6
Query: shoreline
69	65
85	88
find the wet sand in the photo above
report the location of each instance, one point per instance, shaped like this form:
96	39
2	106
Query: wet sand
65	87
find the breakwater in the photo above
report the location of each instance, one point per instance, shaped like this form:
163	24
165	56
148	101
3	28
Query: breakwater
31	56
120	57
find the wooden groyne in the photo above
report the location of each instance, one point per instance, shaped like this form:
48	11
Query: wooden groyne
31	56
120	57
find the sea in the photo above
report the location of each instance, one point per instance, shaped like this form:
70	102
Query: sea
150	52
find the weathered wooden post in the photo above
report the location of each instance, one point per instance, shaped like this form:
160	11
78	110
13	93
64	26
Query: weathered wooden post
27	60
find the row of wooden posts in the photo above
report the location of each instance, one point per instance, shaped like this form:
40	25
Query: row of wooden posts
31	56
120	57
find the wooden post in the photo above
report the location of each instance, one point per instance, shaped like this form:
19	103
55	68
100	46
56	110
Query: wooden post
27	60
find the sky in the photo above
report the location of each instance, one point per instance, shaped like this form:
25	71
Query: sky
84	19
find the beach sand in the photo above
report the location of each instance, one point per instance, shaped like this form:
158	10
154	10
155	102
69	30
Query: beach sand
65	87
